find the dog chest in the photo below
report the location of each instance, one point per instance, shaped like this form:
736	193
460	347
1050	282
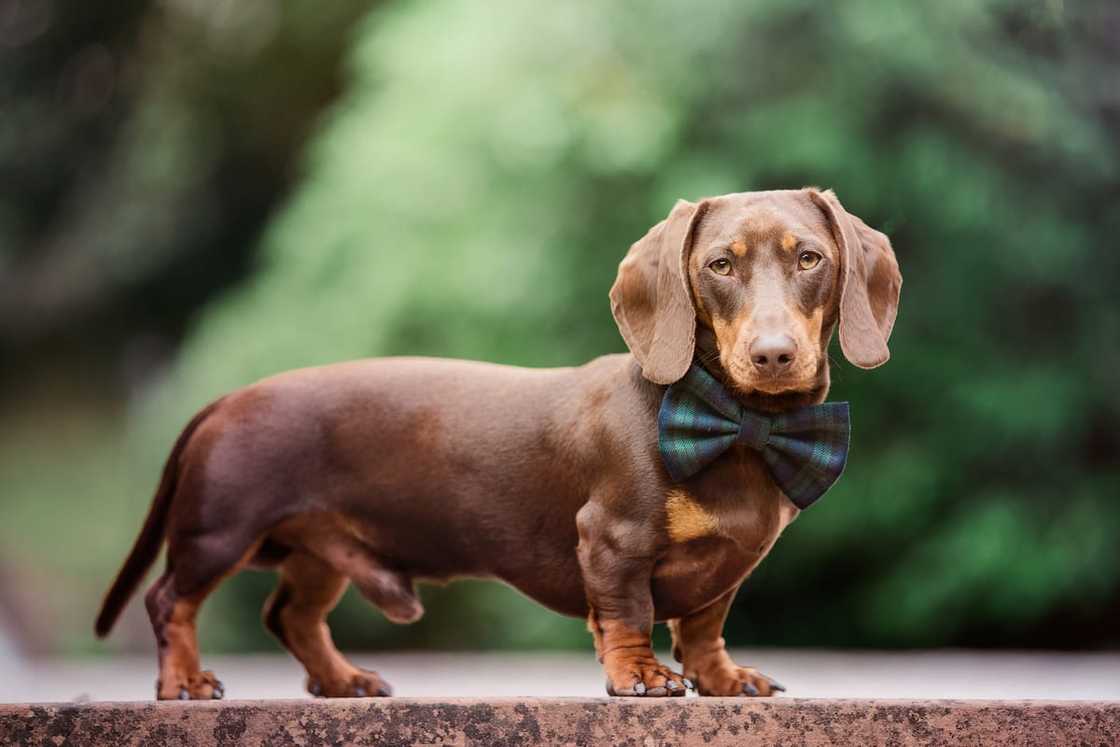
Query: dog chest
718	527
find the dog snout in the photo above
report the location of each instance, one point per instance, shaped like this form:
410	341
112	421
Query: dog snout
773	354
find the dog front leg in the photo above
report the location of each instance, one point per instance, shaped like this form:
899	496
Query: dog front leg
699	646
617	565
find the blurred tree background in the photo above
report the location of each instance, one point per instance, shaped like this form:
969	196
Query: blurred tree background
198	193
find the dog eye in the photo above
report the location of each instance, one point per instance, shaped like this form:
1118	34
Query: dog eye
720	267
808	260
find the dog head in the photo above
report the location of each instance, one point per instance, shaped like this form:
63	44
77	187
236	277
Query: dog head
766	277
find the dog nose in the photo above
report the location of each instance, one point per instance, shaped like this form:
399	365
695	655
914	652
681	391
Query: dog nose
773	354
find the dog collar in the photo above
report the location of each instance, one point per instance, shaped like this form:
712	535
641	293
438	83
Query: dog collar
804	449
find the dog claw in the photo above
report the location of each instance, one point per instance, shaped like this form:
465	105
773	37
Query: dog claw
671	685
750	689
315	688
775	685
688	684
184	694
383	692
640	688
359	692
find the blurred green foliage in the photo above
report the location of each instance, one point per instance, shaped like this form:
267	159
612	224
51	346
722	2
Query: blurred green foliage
472	191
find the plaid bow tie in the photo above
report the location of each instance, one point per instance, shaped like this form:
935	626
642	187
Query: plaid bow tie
805	449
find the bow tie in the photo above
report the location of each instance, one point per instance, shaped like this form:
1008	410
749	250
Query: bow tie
805	449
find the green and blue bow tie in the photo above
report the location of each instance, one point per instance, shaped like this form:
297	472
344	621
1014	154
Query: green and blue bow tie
805	449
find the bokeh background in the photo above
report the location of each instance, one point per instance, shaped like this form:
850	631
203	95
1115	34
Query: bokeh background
198	193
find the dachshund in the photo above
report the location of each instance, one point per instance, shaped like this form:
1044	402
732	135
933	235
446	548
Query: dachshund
385	472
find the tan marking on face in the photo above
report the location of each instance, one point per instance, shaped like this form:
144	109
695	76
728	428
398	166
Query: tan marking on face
814	323
789	241
739	248
687	519
727	332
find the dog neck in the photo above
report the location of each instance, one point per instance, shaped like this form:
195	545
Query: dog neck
707	355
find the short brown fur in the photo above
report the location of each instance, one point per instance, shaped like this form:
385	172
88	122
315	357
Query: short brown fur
387	472
687	519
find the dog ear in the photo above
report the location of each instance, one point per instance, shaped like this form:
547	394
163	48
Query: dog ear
869	284
651	300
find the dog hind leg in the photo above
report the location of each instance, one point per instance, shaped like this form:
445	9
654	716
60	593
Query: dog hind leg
173	621
195	567
296	614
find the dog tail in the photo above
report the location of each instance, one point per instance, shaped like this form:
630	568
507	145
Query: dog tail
150	540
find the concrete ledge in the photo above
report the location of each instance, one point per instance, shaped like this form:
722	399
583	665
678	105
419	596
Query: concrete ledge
709	721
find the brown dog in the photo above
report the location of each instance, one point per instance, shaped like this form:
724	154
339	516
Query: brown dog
385	472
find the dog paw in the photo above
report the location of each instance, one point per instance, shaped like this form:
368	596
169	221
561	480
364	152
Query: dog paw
646	679
361	684
197	686
738	681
